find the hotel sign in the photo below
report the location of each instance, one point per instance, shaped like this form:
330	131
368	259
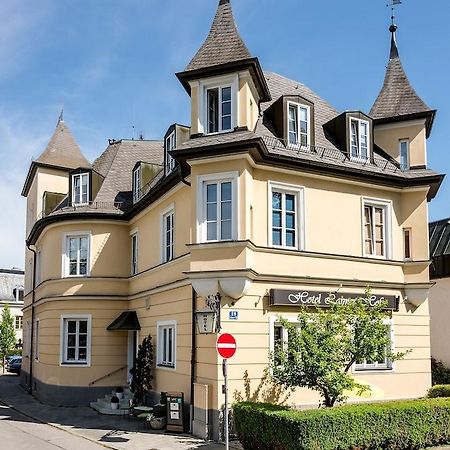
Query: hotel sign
322	299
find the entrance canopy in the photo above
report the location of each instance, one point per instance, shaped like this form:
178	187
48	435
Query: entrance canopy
127	321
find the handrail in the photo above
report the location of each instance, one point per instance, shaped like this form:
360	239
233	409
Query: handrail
107	375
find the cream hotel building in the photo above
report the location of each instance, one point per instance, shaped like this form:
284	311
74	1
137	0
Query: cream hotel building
269	197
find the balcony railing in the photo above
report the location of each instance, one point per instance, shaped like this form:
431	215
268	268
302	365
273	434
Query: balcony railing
333	155
85	207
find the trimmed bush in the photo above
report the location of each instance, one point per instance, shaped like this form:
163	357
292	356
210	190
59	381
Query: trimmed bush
439	372
399	425
440	390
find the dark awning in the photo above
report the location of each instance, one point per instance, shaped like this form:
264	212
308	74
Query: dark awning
127	321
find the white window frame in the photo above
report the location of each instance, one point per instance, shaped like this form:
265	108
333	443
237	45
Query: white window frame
65	253
37	327
170	210
80	175
160	326
359	157
299	192
137	184
20	323
388	366
134	237
408	161
63	340
308	131
170	145
387	228
202	182
218	83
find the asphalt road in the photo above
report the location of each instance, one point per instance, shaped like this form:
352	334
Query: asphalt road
18	432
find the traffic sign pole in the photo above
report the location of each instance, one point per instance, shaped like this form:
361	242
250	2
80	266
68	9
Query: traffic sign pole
225	376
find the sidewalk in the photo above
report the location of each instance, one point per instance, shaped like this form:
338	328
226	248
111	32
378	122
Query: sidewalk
121	433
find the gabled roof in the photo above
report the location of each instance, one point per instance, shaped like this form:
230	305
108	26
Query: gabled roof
397	97
62	152
223	44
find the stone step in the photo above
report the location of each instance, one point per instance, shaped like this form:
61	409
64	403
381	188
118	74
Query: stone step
107	409
106	403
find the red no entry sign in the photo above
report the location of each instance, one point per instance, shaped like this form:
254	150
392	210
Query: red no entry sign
226	345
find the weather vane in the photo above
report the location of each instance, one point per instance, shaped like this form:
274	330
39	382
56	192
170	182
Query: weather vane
393	4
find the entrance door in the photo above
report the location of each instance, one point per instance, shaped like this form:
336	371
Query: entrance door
131	356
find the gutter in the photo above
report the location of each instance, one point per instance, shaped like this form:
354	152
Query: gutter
33	284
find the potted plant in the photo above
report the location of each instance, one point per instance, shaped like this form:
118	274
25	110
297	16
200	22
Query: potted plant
158	418
115	402
119	392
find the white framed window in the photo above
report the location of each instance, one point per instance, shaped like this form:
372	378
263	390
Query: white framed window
134	252
404	154
18	292
217	208
359	139
18	324
168	234
299	125
286	216
382	362
166	343
170	145
80	189
76	255
407	250
36	339
218	102
137	184
76	340
377	228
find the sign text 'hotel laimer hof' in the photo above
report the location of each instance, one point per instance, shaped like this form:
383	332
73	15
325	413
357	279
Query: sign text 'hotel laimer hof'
322	299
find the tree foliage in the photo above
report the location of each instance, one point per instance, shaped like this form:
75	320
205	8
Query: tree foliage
323	345
142	371
7	333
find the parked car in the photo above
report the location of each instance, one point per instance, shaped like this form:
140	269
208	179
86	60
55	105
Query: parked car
10	359
15	365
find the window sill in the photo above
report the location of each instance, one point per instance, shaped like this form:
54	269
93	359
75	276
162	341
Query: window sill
166	366
373	370
75	364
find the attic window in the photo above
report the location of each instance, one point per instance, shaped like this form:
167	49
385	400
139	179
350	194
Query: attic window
359	139
137	184
298	124
219	109
170	145
80	189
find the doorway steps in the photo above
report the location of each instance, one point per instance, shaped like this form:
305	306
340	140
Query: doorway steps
103	405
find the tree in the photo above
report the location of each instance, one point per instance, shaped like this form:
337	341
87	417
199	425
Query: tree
323	346
142	371
7	334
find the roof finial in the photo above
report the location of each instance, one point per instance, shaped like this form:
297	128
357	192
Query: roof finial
61	117
393	28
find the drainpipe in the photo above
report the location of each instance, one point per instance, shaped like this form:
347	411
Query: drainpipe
193	354
33	284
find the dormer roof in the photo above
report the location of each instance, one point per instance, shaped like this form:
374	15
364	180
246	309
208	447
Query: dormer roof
62	152
397	99
224	51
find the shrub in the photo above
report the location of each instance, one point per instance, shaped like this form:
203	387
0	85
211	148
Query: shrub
439	390
439	372
398	425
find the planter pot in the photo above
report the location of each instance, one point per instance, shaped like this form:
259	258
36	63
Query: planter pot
119	395
157	423
114	405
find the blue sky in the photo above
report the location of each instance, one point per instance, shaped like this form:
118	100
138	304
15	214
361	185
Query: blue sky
111	65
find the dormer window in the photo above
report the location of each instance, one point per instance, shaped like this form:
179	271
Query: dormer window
137	184
298	124
170	145
219	109
80	189
404	154
359	139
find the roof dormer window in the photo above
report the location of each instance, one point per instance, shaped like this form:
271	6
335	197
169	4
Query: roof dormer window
170	145
80	189
137	184
219	109
298	124
359	139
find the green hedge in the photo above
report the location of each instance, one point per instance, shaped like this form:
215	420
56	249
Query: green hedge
439	390
399	425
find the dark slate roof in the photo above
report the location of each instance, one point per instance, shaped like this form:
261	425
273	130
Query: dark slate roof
440	238
116	165
9	281
62	150
127	321
397	97
223	44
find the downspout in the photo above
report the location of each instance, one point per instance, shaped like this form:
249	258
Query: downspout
33	284
193	355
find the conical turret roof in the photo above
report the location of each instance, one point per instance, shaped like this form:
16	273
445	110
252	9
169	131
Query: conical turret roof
223	44
397	97
62	150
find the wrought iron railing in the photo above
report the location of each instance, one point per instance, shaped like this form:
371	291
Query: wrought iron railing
333	154
84	207
110	374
